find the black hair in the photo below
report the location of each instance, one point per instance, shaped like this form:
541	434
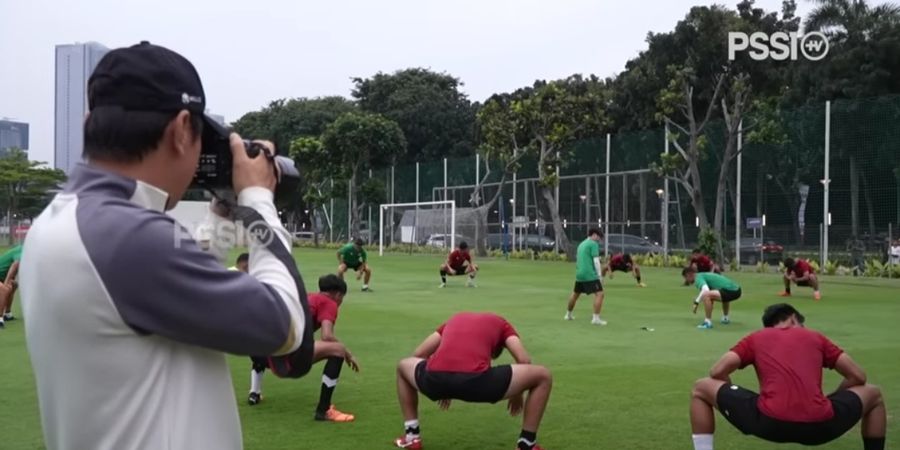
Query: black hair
243	257
696	250
332	283
626	257
789	263
463	245
687	270
359	242
114	134
596	231
777	313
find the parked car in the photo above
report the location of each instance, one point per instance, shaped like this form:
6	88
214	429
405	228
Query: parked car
534	242
631	244
754	250
443	240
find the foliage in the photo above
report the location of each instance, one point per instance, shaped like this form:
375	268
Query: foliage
708	241
437	119
762	267
285	120
25	185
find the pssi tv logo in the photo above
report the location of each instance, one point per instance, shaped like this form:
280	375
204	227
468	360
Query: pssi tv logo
779	46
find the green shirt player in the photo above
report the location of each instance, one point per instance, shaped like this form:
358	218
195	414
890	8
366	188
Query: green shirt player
9	268
353	256
713	287
587	275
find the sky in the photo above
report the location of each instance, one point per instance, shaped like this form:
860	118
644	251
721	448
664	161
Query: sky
251	52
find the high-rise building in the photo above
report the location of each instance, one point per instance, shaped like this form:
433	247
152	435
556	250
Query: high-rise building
74	65
13	134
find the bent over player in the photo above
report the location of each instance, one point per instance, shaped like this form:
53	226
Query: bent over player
323	306
801	273
713	287
459	262
454	362
353	256
791	406
622	262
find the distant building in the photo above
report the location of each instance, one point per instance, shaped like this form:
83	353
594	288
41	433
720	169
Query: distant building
74	65
13	134
218	118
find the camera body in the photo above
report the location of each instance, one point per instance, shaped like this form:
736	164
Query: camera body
216	164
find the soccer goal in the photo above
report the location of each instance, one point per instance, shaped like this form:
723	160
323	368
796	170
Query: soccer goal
417	223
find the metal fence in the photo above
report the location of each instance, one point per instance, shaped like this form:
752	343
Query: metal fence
828	189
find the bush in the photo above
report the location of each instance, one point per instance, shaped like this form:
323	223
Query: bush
831	268
708	241
762	267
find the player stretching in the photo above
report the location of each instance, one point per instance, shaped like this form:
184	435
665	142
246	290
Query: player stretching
802	274
792	407
459	263
323	307
623	263
353	256
713	287
9	269
455	363
701	263
587	275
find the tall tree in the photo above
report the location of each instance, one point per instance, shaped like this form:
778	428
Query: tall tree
437	119
546	119
355	143
25	185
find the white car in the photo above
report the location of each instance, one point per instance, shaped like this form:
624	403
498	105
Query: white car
442	240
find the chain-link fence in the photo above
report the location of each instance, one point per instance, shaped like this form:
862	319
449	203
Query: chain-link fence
842	157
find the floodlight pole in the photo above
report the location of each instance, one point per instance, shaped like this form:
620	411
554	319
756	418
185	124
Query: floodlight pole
826	182
737	203
606	206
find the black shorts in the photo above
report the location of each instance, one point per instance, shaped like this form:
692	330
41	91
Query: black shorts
354	267
802	283
484	387
739	406
588	287
460	270
729	295
624	267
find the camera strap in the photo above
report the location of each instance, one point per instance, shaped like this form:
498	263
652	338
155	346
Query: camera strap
298	363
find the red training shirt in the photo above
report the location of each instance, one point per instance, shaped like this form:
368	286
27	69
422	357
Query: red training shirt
703	263
458	257
322	308
801	267
789	364
468	340
618	260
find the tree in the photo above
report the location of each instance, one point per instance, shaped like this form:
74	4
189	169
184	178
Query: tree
545	120
26	185
354	143
436	118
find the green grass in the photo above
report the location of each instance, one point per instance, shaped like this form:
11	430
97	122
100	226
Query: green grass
614	387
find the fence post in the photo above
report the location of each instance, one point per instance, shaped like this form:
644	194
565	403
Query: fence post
369	218
606	203
737	203
391	216
826	182
331	211
665	211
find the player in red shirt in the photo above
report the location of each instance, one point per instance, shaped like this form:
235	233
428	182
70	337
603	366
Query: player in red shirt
454	362
459	262
802	274
622	262
702	263
323	308
791	406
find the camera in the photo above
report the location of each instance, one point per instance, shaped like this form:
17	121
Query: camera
214	170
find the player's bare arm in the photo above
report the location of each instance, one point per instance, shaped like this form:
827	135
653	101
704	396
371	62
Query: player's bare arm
851	371
725	366
517	350
428	346
328	331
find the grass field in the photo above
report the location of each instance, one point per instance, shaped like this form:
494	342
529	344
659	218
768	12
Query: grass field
614	387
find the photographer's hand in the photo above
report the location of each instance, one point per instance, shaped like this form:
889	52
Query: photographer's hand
250	172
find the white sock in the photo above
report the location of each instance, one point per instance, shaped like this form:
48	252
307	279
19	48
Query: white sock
709	321
703	441
568	313
596	316
256	381
411	424
725	317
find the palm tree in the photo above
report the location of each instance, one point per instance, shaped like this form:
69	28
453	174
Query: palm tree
850	24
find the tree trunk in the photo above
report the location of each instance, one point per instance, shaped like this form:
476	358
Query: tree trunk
547	191
315	223
354	209
854	198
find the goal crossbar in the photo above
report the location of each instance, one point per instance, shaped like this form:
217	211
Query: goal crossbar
384	206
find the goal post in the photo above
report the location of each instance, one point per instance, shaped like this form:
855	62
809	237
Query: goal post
386	206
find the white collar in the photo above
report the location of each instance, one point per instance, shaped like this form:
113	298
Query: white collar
149	196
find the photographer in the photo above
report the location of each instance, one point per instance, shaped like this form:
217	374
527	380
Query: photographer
127	326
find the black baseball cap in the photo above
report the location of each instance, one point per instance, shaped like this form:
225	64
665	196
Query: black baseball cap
147	77
779	312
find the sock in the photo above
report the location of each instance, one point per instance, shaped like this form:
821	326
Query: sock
472	275
709	321
7	316
443	276
870	443
788	290
596	316
256	381
703	441
638	280
527	439
412	429
725	317
329	380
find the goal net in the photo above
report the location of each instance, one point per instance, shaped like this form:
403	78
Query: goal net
437	225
